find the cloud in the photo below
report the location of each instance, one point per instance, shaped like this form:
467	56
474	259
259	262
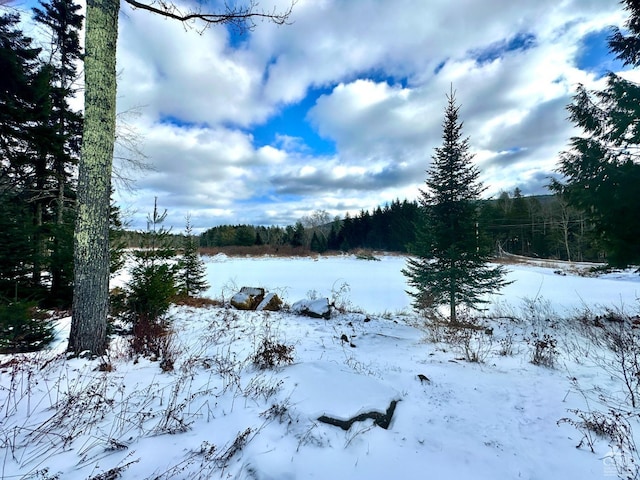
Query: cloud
341	109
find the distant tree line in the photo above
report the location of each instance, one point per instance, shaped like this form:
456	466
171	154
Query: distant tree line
388	228
543	226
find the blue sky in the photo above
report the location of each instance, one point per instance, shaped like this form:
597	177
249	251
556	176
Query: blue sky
341	110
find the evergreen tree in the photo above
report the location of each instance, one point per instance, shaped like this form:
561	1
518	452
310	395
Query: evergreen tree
333	242
192	275
23	93
450	267
245	236
298	236
16	252
258	242
18	64
601	170
152	287
117	243
318	243
61	138
346	235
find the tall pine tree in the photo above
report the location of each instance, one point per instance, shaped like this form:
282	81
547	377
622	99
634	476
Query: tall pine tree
20	83
601	170
450	264
62	147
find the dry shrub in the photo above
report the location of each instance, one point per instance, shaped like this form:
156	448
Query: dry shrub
544	352
618	337
157	340
471	340
615	427
271	354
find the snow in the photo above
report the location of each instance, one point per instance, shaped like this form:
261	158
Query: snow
380	287
319	307
493	419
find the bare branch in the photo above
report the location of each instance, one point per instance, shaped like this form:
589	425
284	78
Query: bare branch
243	18
129	156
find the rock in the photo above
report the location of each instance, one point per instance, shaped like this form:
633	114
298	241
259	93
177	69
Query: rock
319	308
271	302
248	298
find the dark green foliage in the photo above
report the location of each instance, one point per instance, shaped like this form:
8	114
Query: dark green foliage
390	228
117	243
15	247
245	235
601	172
333	242
538	226
450	267
22	329
59	132
627	47
153	276
18	64
61	262
152	287
40	138
318	243
192	275
151	291
297	239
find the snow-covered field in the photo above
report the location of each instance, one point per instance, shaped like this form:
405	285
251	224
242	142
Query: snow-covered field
217	415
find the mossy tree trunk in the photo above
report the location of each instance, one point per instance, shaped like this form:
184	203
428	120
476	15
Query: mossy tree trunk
91	237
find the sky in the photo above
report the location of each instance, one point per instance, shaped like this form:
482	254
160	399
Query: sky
341	109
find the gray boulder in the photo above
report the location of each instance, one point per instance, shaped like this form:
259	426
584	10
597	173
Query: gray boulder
319	308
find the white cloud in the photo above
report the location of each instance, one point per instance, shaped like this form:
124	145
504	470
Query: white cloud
384	68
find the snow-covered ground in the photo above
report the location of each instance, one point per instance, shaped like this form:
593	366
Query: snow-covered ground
379	287
217	415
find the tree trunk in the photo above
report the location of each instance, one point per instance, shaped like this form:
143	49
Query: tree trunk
38	241
452	297
91	237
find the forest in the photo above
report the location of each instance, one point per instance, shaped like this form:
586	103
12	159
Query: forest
543	226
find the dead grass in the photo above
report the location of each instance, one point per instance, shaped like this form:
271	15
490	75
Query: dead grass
196	302
260	250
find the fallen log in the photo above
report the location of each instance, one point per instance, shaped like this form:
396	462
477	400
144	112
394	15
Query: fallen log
380	419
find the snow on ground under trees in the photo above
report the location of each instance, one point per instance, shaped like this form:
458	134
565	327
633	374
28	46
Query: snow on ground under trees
218	414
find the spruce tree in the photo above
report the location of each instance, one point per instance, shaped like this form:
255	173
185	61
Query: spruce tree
318	243
192	275
153	275
298	238
61	147
22	87
450	266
